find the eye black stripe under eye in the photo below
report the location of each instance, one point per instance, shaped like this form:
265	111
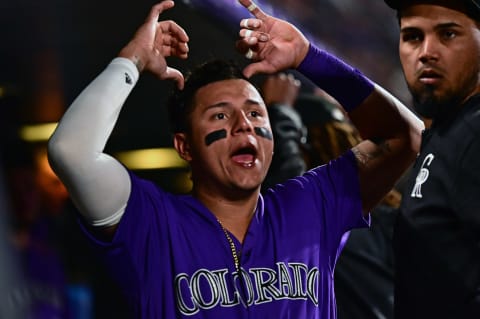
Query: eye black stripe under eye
263	132
215	135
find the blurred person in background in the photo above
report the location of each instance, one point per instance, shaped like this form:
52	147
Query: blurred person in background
37	198
59	277
9	276
280	91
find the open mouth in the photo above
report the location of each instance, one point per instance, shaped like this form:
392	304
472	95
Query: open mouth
245	156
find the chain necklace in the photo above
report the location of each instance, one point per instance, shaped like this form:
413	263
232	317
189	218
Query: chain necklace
236	258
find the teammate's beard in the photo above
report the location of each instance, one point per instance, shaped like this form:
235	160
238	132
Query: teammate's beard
430	106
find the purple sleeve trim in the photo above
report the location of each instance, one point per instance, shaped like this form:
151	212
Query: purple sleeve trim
345	83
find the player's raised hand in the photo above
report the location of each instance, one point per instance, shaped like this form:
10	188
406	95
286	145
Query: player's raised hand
154	41
271	43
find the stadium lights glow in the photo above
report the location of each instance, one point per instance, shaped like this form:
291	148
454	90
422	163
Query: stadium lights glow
154	158
37	132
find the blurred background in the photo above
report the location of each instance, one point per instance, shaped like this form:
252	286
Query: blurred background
51	50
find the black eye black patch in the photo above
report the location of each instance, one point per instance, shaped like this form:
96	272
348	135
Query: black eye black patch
217	135
263	132
214	136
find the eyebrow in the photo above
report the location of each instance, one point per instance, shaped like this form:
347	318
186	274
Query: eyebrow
445	25
225	104
217	105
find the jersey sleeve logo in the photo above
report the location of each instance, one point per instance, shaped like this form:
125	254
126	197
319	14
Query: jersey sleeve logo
128	79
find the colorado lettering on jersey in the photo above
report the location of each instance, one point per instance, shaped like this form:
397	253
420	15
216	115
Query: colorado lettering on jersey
206	289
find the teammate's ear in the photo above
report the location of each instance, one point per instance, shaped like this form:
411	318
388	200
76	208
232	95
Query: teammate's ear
180	142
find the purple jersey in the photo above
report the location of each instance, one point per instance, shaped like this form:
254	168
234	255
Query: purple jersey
173	260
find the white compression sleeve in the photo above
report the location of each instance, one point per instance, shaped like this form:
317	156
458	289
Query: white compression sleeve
98	184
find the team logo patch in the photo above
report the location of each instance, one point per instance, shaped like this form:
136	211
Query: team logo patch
422	176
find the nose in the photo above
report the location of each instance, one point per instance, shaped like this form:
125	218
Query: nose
429	49
242	123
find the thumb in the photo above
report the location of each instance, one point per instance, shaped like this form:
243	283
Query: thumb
175	75
157	9
258	67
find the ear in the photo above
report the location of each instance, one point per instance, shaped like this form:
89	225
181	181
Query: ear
180	142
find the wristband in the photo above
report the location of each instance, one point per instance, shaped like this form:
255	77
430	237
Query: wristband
345	83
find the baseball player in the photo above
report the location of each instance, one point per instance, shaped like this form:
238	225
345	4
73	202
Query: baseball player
225	250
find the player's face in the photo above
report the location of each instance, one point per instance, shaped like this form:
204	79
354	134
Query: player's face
440	55
230	145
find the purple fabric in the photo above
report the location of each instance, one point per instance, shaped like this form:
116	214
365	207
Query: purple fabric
345	83
173	260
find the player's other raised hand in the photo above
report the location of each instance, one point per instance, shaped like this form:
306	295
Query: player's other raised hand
154	41
271	43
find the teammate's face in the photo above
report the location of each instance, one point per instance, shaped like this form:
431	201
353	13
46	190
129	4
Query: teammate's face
230	145
440	55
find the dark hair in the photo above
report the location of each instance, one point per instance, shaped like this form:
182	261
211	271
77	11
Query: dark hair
181	101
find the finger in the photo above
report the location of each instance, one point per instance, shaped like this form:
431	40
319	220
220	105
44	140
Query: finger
260	36
247	33
258	67
180	51
250	23
158	9
172	46
172	39
253	8
175	30
175	75
250	54
244	47
244	44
